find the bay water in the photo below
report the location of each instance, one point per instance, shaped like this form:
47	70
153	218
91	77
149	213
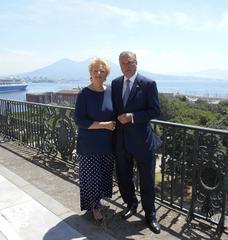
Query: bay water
210	88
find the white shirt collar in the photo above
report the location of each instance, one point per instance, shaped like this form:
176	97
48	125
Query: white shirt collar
132	79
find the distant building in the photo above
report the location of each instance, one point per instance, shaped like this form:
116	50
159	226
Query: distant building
194	99
210	100
69	96
61	97
45	97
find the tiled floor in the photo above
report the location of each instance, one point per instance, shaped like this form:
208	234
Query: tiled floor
23	218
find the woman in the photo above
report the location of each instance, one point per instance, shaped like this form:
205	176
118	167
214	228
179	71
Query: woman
93	116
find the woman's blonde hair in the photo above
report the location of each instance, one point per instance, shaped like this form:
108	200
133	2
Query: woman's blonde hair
98	60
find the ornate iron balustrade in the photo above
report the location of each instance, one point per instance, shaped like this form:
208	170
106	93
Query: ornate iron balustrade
49	129
193	160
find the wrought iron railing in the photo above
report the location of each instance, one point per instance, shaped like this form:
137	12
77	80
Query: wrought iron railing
192	161
47	128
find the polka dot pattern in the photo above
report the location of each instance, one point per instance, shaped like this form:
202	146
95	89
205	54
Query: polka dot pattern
95	175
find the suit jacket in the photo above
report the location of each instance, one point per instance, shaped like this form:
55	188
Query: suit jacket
143	102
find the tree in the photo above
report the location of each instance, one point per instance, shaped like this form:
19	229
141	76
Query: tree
201	113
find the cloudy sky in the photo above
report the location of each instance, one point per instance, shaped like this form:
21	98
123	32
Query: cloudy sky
168	36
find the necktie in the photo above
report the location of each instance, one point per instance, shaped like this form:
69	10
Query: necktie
127	92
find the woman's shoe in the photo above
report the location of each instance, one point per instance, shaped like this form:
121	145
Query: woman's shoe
97	215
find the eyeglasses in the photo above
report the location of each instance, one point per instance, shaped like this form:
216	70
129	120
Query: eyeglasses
130	63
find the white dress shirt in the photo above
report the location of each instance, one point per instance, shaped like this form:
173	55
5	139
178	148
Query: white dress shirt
132	79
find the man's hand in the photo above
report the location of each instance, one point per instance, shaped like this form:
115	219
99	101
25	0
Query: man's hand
125	118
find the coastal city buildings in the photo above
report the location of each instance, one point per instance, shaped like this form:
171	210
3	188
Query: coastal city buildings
61	97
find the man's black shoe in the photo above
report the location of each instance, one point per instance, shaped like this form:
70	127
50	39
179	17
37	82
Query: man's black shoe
129	211
154	225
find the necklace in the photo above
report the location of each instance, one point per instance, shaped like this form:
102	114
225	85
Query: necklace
100	88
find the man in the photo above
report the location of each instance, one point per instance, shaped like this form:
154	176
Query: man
135	103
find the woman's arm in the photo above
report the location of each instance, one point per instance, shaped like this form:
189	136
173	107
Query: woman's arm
80	114
83	121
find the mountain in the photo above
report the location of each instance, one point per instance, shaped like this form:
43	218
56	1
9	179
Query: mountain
66	69
62	69
166	77
212	73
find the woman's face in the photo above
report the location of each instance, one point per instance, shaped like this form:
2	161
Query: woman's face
98	73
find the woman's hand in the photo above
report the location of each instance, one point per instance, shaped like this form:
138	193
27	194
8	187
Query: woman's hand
109	125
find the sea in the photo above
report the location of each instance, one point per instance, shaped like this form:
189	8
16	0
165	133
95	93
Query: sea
215	88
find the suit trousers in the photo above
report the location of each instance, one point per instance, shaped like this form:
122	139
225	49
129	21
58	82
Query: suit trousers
146	169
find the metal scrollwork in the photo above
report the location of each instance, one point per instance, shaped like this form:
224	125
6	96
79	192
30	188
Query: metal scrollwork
48	114
209	169
59	134
8	130
177	154
64	134
48	146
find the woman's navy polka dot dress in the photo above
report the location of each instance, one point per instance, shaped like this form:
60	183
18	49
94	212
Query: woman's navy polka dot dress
95	173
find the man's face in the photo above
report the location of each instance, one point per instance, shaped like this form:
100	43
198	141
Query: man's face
128	65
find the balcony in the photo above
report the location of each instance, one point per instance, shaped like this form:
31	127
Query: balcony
191	172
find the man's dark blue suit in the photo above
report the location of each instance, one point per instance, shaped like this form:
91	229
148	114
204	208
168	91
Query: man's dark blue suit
135	140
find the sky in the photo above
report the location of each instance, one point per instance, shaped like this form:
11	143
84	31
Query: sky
168	36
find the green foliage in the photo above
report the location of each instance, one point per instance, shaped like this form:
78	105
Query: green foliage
223	107
200	113
224	103
221	123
